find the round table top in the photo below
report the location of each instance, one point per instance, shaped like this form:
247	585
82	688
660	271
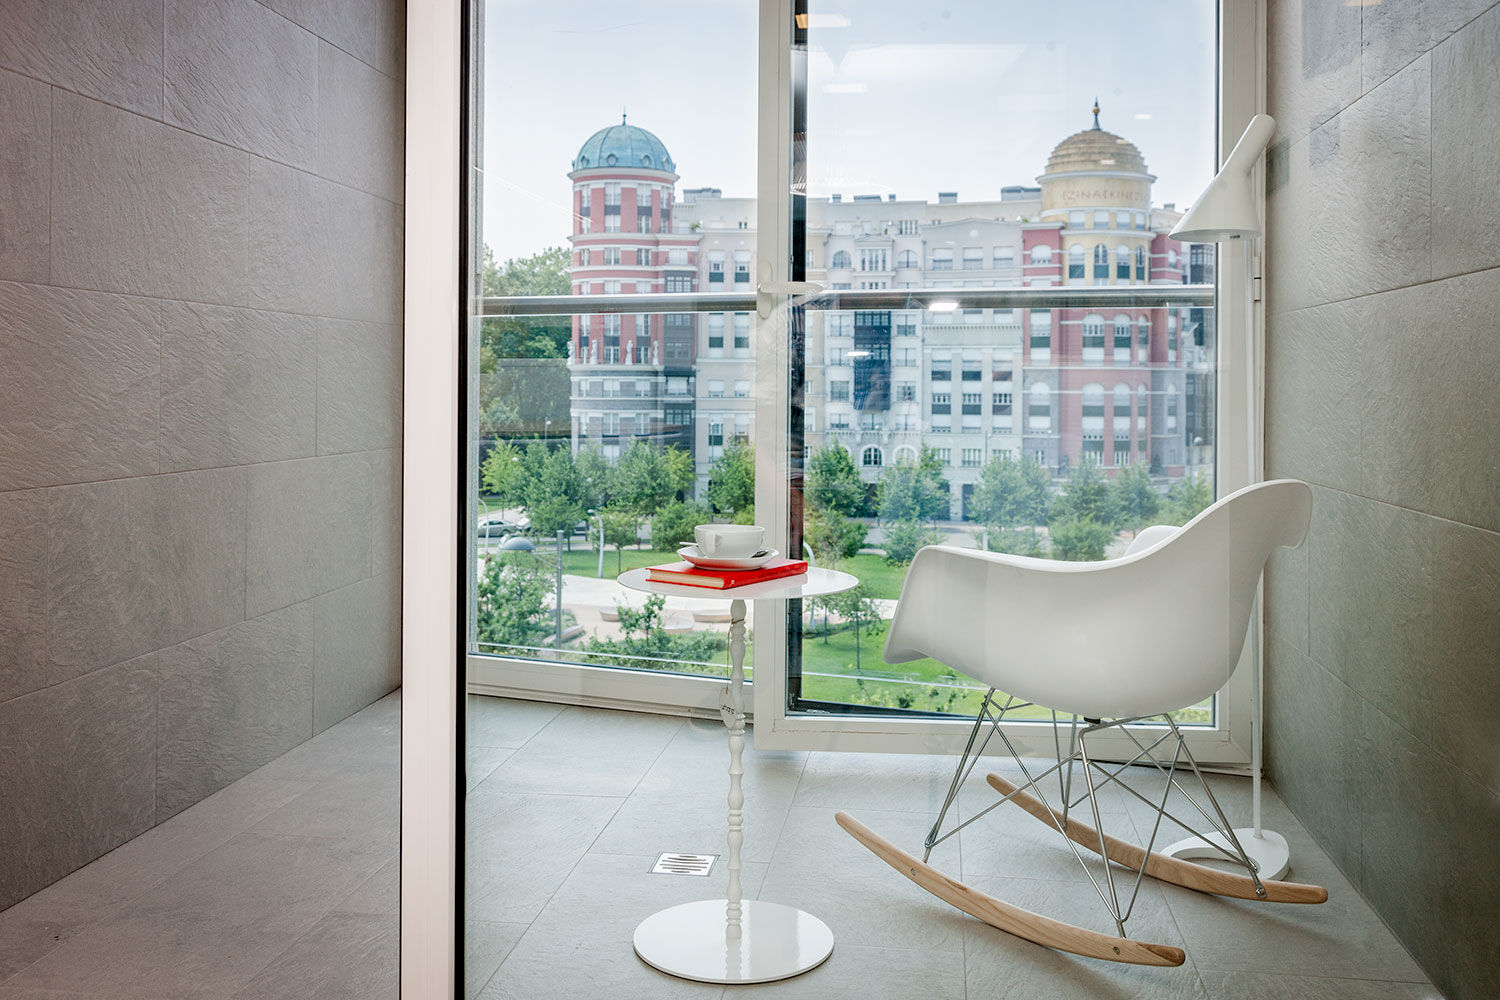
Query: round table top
814	583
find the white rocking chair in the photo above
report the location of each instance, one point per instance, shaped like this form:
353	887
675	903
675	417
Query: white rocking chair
1080	639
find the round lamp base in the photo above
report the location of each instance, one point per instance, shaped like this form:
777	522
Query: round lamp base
692	941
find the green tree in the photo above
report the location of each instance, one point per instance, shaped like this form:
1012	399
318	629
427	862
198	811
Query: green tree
505	473
914	490
1011	493
1014	541
832	536
642	480
554	495
593	477
855	607
673	525
621	528
904	538
681	471
543	273
833	482
1085	496
1187	498
1134	497
1080	539
731	479
511	606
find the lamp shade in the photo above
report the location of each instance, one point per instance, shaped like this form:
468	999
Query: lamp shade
1226	209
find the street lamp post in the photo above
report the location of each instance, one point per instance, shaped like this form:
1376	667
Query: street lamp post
600	513
559	588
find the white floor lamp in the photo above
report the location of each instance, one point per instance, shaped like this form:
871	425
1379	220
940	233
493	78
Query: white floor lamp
1227	211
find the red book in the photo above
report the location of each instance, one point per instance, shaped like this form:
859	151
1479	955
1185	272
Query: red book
687	575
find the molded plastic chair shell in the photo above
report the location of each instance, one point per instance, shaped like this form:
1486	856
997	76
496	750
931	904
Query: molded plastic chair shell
1152	631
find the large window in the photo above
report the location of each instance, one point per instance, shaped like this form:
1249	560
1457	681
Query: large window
569	487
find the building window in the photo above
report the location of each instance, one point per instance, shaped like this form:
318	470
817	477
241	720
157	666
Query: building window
642	257
1122	263
715	388
1039	408
970	457
1041	335
612	223
612	196
907	258
1101	220
971	402
716	267
741	335
1101	263
940	374
679	283
945	456
839	391
871	458
1093	338
1091	449
1143	339
716	432
906	357
942	402
1093	408
1000	403
677	256
611	255
906	392
874	259
1140	264
1041	254
742	267
1075	218
742	388
610	424
942	259
973	258
908	227
715	335
971	374
841	260
1122	339
1005	256
1075	261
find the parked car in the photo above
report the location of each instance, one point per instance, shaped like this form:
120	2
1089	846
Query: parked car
498	528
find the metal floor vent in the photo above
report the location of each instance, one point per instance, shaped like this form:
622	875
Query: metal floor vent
684	864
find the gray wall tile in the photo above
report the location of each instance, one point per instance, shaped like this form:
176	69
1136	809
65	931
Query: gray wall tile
1465	145
1371	580
94	415
1425	365
141	564
308	529
25	159
322	248
111	51
237	72
1286	596
1355	200
1313	64
1393	34
1312	380
76	773
358	648
231	701
1466	615
238	386
360	125
138	206
359	386
23	596
359	27
385	524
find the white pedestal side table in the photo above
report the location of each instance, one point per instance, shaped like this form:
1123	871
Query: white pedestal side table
735	940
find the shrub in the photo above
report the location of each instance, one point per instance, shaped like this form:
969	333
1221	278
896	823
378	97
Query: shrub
904	538
1080	540
673	525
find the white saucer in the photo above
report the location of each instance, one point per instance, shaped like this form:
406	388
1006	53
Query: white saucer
692	555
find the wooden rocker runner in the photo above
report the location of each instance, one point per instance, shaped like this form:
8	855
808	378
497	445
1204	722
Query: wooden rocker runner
1093	643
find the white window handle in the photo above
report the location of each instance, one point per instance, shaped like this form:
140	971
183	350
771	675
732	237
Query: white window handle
765	292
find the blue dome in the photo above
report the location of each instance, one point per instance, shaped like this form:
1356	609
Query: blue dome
624	146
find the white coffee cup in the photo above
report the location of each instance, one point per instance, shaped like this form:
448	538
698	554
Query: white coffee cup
729	541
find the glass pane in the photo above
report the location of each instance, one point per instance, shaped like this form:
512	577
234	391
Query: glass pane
967	151
599	439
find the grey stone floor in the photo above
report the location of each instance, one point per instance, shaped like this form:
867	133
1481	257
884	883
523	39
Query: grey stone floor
284	885
569	807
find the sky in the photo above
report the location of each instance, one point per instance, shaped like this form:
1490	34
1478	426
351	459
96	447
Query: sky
910	98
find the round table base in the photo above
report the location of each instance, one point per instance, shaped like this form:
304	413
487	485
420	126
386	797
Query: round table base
691	942
1269	851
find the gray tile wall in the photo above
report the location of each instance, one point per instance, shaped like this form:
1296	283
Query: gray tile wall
200	401
1383	337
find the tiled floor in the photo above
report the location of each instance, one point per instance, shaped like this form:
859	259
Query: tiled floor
282	886
569	807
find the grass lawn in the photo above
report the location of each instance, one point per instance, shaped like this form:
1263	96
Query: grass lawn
584	561
880	577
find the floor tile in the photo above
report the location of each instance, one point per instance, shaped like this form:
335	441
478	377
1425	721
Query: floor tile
486	944
1272	985
505	722
854	972
564	757
346	956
